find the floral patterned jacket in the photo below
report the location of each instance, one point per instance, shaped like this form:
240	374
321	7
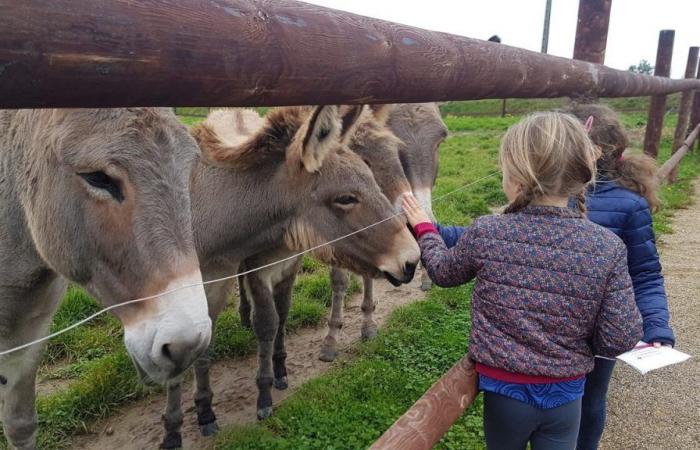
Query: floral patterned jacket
552	289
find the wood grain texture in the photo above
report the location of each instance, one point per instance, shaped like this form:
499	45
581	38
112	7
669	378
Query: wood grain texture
682	127
673	162
110	53
592	30
424	424
657	106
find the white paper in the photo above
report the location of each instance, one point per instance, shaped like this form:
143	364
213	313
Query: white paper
645	357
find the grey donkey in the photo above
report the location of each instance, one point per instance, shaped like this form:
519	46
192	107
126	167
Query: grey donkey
300	186
99	198
400	143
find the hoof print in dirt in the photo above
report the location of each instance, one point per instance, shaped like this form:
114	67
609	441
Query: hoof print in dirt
209	429
328	354
173	440
264	413
280	383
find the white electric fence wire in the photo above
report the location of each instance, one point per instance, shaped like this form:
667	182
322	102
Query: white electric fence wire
230	277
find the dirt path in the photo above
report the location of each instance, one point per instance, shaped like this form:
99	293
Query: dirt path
661	410
139	426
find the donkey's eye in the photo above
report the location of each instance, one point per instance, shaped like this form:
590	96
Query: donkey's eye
102	181
346	200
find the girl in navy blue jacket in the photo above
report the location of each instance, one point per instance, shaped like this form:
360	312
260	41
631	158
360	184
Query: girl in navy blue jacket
622	201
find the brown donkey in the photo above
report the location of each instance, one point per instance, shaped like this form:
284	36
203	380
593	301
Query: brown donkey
420	130
400	143
299	186
100	198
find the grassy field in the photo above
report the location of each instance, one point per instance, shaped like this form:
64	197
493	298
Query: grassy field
352	404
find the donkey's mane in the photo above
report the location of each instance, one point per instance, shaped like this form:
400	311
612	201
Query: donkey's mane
264	145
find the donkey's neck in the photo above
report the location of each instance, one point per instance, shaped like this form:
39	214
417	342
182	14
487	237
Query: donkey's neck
239	213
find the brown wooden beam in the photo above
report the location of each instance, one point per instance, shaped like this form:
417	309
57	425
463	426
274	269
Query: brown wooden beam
657	106
424	424
674	161
110	53
684	109
592	30
695	109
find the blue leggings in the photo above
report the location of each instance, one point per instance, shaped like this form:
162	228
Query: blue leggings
594	404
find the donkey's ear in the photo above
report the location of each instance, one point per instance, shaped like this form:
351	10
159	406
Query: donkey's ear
381	113
320	133
349	118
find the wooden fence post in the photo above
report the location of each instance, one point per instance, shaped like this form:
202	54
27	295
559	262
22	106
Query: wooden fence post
592	30
695	110
684	110
657	107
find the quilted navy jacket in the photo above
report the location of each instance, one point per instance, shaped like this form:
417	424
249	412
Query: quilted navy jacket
627	214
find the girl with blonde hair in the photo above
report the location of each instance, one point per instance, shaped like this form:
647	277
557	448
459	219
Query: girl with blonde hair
552	288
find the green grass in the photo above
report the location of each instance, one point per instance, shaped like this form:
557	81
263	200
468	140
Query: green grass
517	106
351	405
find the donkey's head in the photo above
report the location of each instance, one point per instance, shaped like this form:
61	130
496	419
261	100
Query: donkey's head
421	131
107	202
326	191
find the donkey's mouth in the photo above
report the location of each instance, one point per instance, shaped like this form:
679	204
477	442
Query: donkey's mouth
392	279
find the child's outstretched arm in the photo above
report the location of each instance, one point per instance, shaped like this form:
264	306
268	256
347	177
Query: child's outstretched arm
446	267
619	325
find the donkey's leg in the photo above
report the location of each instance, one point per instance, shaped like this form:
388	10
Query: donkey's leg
203	396
426	283
243	302
265	325
283	301
339	283
173	416
18	370
369	327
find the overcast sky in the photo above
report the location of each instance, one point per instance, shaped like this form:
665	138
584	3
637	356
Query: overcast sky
633	35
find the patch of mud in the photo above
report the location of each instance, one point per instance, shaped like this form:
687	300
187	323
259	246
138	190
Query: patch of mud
139	426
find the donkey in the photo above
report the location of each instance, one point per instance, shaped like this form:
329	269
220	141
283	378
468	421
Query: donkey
400	143
99	198
300	187
420	130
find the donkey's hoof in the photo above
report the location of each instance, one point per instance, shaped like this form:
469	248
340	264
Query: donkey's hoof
425	286
172	441
280	383
328	353
369	332
264	413
209	429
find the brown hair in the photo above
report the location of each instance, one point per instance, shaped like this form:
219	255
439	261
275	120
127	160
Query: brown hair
548	154
637	171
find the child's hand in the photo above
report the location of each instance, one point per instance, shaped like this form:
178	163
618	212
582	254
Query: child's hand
414	212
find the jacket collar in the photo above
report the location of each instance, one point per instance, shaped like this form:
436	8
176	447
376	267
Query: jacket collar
553	211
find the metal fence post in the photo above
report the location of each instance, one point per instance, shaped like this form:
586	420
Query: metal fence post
684	109
657	107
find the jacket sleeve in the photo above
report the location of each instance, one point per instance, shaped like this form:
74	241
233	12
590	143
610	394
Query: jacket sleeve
645	270
450	235
449	267
618	326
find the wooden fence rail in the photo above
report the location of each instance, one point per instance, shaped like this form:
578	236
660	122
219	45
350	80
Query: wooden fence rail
116	53
674	161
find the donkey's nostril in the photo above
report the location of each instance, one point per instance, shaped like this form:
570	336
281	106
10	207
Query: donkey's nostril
410	270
